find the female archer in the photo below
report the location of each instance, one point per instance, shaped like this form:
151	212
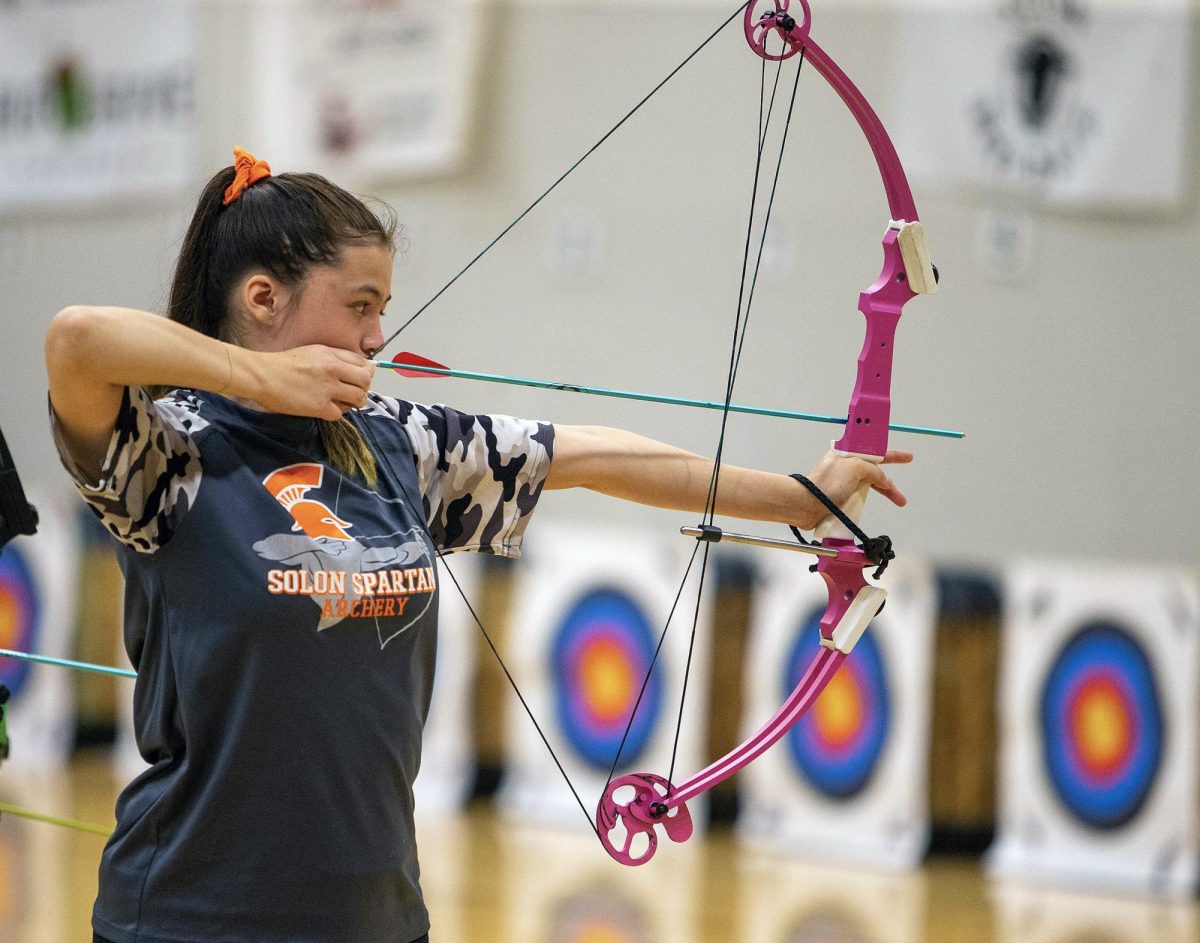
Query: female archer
278	526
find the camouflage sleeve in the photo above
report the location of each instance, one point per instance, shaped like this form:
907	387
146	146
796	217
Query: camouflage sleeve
480	476
150	474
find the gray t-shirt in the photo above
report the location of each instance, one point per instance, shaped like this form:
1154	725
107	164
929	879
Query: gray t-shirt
282	619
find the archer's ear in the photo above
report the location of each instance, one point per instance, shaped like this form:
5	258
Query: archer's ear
263	300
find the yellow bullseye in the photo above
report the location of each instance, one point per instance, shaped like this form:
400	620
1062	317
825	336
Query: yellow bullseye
600	933
607	680
838	712
9	621
1103	727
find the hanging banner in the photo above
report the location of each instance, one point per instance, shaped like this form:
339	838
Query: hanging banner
365	91
1099	732
96	101
589	609
849	781
1078	103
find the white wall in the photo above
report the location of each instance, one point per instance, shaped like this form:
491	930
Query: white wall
1076	384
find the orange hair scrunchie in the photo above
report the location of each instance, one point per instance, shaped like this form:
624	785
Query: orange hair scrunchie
247	169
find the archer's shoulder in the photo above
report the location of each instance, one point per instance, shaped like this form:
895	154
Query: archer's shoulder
182	409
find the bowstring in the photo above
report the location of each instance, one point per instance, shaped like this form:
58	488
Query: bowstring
765	110
470	608
570	170
741	322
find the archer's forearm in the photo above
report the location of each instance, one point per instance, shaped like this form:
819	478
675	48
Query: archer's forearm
633	467
97	346
92	354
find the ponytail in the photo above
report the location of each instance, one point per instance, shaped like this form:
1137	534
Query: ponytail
284	224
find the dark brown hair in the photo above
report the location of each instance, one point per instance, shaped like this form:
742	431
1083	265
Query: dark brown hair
284	225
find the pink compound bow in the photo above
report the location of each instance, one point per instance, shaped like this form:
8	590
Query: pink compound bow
634	806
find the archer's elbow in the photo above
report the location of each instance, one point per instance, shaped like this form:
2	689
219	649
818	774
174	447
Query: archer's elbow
71	336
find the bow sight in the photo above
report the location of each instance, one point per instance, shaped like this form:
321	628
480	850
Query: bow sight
17	516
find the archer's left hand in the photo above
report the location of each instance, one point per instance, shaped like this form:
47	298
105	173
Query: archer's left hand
840	476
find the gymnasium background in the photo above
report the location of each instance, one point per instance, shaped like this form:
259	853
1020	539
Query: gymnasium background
1051	147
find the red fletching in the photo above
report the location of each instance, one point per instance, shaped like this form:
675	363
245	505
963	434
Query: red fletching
407	357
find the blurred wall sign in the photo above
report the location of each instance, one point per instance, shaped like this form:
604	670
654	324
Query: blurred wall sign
1082	103
96	101
366	91
1006	242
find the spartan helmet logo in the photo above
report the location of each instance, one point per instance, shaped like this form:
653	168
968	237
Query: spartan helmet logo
1042	66
289	487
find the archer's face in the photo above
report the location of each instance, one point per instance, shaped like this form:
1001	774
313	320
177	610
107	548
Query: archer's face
338	305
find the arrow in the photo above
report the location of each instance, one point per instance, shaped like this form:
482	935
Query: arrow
75	824
66	663
408	364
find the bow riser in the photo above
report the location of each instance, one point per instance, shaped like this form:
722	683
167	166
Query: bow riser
870	403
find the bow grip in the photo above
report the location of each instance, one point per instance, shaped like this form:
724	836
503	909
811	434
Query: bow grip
830	526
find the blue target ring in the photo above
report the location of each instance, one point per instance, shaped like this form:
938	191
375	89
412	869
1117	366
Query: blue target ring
838	743
1102	726
20	616
602	650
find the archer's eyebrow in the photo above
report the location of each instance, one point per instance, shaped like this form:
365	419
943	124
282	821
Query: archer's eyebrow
370	290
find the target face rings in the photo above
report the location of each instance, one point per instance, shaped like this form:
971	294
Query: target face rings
20	617
1102	726
602	651
837	745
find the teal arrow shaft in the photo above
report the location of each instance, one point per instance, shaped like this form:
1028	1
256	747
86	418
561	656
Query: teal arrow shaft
66	663
653	397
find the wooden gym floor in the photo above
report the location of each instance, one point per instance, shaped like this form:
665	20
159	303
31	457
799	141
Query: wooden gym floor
488	881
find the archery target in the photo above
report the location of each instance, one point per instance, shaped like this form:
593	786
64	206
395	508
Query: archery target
601	652
591	916
20	616
1099	761
1101	724
848	781
838	743
38	591
588	610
